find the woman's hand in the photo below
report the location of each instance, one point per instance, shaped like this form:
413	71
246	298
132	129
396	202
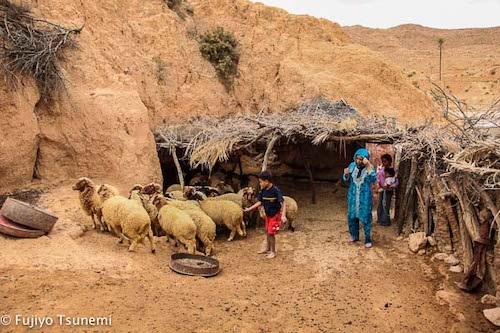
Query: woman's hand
366	161
347	171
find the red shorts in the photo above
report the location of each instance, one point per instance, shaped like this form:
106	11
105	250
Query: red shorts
273	224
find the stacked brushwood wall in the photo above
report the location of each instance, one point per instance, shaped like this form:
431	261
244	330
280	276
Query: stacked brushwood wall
450	189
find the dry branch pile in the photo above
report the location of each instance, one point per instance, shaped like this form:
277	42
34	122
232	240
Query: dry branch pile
208	140
32	47
450	187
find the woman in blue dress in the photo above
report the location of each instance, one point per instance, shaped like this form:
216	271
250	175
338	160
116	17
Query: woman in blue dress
360	174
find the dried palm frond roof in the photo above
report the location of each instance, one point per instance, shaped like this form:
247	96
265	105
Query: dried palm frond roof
208	140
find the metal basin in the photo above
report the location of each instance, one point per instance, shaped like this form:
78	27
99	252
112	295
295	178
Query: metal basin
191	264
28	215
8	227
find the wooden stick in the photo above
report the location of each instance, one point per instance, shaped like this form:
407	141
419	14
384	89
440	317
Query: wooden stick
409	189
441	229
468	211
311	179
466	242
178	166
269	149
488	203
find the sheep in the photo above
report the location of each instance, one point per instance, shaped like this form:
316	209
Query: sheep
146	195
249	197
174	187
129	220
198	179
151	189
176	223
222	212
91	202
178	195
217	181
89	199
292	210
234	197
205	226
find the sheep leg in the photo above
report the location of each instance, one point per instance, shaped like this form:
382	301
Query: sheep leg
244	228
290	226
231	236
151	241
93	221
209	247
239	231
134	243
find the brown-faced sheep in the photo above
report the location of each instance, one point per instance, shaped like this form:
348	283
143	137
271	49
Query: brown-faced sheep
205	226
176	223
198	180
90	200
217	181
249	198
146	194
223	212
152	189
129	220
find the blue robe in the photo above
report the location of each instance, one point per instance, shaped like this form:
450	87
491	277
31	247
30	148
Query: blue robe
359	197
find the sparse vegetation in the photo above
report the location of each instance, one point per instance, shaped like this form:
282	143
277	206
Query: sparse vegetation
221	48
440	42
160	70
412	74
180	7
33	47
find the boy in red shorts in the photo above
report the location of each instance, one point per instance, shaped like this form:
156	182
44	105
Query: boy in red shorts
271	198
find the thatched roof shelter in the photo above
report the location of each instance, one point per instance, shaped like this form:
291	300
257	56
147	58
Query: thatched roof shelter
208	140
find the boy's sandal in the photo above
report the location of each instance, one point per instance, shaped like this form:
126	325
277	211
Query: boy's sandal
352	240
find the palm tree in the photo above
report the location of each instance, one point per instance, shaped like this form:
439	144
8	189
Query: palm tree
440	42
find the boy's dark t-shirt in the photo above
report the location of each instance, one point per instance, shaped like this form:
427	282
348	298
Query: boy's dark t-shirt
271	199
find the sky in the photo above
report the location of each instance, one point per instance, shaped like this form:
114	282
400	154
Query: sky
446	14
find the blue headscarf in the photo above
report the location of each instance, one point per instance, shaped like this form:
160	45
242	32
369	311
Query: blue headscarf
363	153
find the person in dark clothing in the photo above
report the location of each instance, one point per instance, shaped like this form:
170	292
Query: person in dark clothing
275	208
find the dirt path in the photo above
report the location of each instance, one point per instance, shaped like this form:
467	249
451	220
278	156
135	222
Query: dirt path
317	283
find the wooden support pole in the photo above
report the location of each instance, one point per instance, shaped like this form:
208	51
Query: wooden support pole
442	228
311	179
468	211
178	166
408	195
269	149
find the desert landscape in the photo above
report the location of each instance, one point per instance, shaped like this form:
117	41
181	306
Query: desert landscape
182	92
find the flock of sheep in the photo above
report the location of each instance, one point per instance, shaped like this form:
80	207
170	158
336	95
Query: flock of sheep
189	216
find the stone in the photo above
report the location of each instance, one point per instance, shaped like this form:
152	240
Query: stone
400	238
448	248
489	299
456	269
432	241
440	256
421	252
452	260
417	241
493	315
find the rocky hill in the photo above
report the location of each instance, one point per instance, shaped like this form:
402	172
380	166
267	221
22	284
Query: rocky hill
138	65
471	58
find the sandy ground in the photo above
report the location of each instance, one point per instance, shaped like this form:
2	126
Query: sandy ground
317	283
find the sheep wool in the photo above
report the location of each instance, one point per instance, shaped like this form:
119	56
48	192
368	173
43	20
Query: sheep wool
89	200
179	225
222	212
233	197
129	220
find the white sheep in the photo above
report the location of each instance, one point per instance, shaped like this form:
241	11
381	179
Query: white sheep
292	210
174	187
223	212
234	197
176	223
205	226
178	195
129	220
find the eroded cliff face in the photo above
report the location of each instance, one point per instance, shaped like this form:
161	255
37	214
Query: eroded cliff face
138	65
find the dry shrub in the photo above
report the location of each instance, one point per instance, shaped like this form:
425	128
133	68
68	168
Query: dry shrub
180	7
33	47
220	47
